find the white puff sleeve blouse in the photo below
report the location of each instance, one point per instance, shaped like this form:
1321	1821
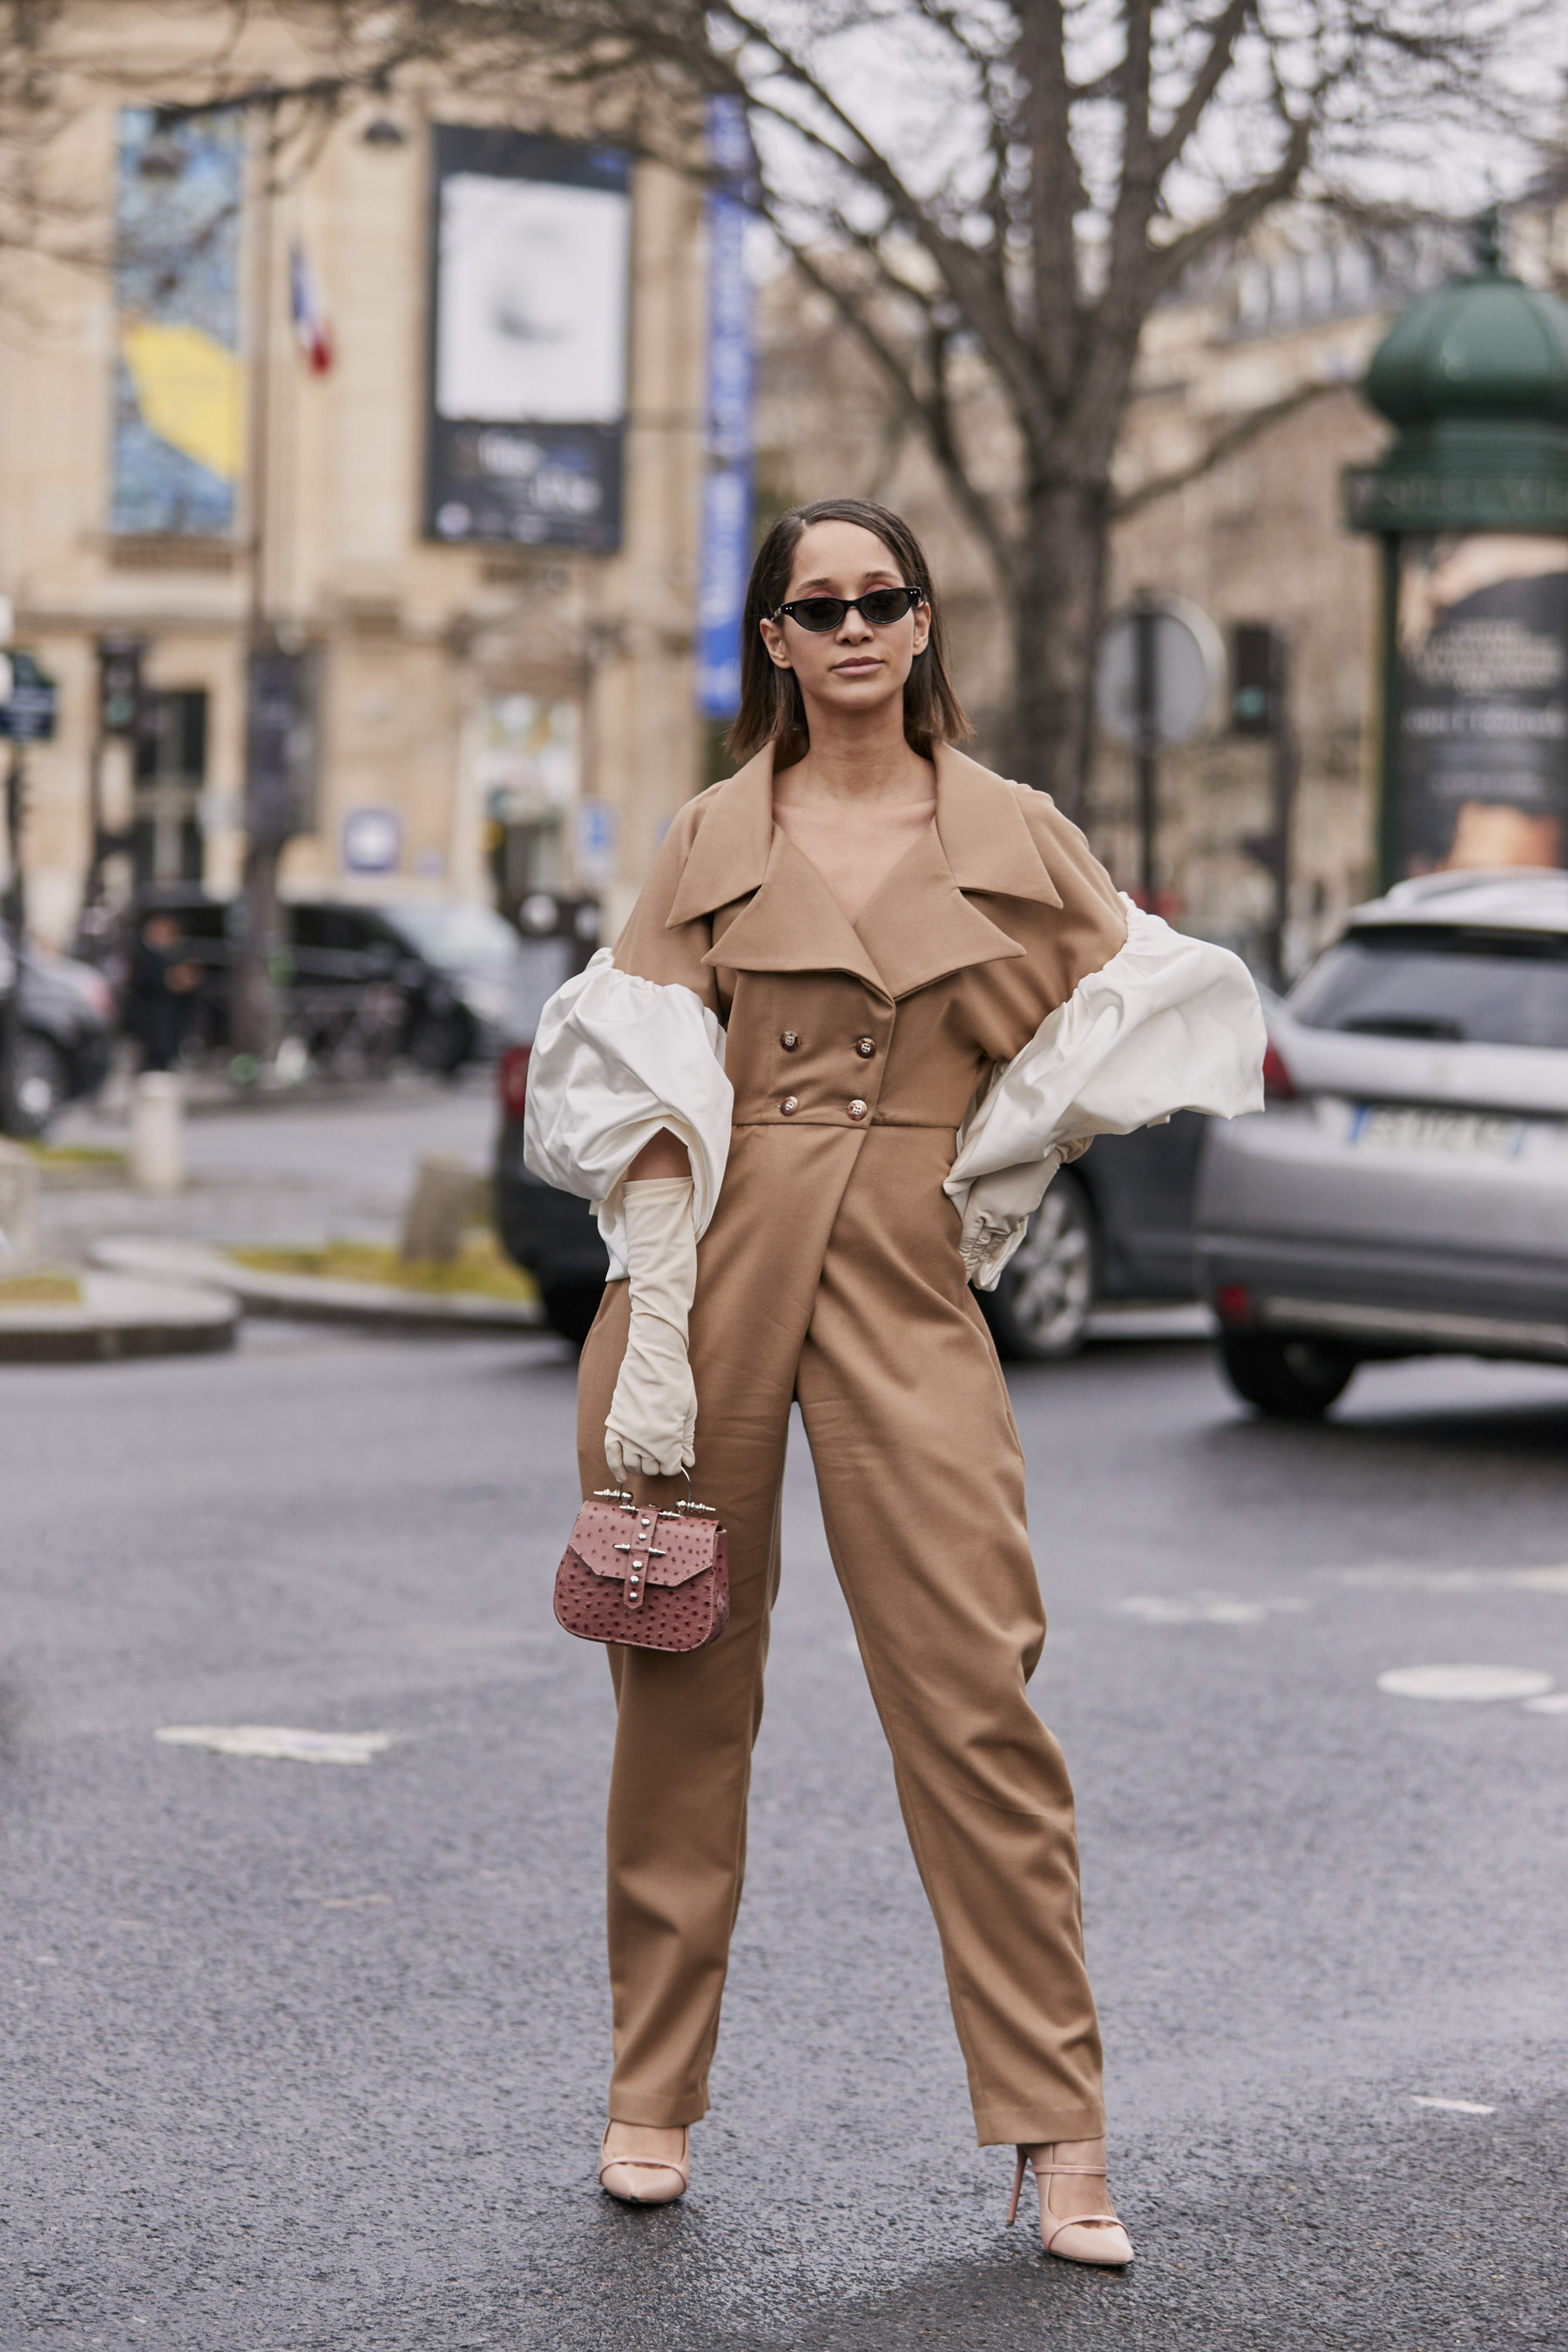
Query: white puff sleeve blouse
615	1060
1169	1024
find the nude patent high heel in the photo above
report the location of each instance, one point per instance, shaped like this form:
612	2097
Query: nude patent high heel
1105	2242
631	2192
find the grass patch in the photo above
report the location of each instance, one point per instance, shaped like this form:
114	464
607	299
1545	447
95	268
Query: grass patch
480	1271
44	1287
78	1163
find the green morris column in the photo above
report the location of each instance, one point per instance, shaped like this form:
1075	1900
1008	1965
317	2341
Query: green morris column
1471	506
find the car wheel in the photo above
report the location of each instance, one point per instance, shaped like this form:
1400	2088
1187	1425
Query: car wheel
43	1085
570	1308
1039	1310
1289	1380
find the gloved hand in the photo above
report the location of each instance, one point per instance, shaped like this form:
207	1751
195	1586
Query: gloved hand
997	1211
652	1420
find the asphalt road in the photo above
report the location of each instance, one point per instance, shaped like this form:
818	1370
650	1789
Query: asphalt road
308	2055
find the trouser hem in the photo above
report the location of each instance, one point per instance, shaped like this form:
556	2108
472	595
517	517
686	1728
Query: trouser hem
1027	2126
662	2115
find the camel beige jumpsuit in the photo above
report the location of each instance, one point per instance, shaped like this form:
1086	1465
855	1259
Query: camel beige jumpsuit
831	1273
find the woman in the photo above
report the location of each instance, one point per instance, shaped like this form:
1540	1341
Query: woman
859	946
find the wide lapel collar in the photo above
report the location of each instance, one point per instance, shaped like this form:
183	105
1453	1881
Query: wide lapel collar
918	927
988	843
730	851
921	927
794	924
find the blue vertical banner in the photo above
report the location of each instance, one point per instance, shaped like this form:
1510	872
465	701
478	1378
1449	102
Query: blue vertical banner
726	557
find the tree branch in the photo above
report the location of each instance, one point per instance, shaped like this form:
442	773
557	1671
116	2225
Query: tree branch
1224	445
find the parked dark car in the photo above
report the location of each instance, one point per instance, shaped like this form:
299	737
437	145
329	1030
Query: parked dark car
441	981
67	1044
1118	1224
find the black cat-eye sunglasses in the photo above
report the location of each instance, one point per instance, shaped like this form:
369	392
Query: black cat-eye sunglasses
878	606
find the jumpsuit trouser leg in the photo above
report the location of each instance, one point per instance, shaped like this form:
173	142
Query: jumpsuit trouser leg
921	1481
858	1311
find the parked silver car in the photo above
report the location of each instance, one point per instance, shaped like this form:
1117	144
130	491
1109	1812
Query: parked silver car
1405	1190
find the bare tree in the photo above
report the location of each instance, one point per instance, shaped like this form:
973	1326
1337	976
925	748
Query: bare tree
1008	184
1018	184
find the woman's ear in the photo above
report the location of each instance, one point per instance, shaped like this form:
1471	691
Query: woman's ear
772	638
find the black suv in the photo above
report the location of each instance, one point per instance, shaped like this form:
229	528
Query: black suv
438	979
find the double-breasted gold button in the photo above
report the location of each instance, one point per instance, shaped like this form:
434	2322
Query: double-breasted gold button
789	1041
789	1106
864	1048
857	1108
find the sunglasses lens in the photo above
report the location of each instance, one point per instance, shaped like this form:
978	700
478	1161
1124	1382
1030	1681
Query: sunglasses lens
819	614
885	604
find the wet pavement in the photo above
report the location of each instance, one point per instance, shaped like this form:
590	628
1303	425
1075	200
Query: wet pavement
311	2055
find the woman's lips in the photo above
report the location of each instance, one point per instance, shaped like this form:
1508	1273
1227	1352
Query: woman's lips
855	668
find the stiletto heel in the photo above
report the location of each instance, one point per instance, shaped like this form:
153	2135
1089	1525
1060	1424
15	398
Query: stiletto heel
628	2192
1109	2254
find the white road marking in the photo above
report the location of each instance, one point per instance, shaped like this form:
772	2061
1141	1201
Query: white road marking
1203	1608
273	1742
1458	2107
1475	1683
1389	1577
1556	1705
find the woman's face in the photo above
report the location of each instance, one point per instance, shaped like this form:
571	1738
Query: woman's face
859	665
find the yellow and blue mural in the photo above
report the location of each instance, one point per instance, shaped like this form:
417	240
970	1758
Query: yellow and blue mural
179	388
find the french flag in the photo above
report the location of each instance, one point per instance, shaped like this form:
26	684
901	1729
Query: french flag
310	329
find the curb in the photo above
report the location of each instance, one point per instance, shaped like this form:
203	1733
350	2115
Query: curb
374	1306
119	1317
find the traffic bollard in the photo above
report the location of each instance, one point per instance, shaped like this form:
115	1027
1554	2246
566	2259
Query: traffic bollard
158	1133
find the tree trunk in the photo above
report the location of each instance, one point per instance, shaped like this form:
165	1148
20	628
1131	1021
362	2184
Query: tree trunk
1060	575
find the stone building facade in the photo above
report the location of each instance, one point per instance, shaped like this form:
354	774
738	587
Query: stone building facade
509	715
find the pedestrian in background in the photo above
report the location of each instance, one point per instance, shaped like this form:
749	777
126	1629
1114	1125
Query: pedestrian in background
160	993
931	995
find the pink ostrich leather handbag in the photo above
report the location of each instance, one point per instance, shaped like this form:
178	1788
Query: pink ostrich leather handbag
653	1579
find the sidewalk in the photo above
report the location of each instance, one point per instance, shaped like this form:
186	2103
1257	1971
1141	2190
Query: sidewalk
273	1170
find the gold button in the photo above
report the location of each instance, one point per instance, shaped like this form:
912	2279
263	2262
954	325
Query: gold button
864	1048
789	1106
789	1041
857	1108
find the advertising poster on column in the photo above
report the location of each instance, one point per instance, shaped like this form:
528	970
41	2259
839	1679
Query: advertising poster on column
179	392
528	363
1481	687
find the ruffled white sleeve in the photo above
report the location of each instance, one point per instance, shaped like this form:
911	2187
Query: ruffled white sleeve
1170	1023
615	1060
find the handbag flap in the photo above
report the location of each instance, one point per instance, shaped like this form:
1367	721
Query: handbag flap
688	1546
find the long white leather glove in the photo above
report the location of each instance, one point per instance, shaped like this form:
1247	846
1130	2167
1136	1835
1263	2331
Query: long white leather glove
997	1211
652	1420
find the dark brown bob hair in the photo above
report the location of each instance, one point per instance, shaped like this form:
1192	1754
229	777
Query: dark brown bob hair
771	710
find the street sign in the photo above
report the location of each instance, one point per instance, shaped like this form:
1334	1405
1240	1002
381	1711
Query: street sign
28	712
1186	670
372	841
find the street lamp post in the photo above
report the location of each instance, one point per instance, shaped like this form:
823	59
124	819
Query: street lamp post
252	1008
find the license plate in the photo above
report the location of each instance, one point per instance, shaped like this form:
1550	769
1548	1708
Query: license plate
1404	1126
